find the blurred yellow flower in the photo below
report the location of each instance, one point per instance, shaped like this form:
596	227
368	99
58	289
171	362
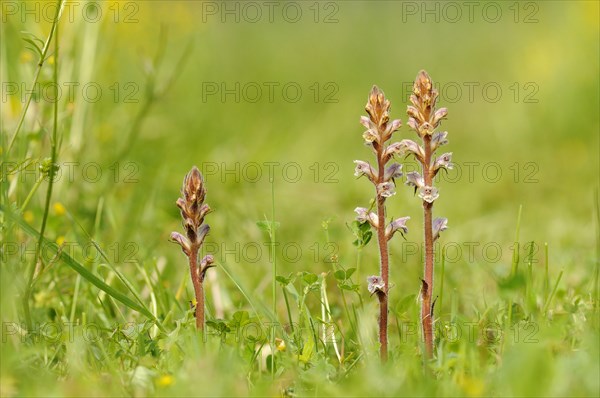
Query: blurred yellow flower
25	57
165	381
280	344
59	209
14	105
60	240
472	387
28	216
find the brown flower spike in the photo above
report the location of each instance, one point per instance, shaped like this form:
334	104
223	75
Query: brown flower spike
379	131
193	210
424	119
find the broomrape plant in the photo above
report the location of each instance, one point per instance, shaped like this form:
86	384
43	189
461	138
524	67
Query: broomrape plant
424	119
193	210
383	176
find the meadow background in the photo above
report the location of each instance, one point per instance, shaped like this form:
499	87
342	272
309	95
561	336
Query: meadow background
249	90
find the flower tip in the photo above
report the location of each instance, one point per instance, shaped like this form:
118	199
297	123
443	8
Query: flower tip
375	90
423	77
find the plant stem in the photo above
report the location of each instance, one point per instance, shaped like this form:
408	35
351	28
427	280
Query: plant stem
352	325
546	276
597	270
289	311
427	286
384	265
440	305
53	154
516	259
274	260
40	64
32	192
198	288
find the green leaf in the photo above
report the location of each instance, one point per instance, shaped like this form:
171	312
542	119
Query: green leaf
263	225
34	37
367	237
35	48
307	351
340	275
349	272
309	278
240	318
267	226
362	232
364	227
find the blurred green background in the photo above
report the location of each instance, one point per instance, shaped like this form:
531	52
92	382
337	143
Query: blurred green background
519	79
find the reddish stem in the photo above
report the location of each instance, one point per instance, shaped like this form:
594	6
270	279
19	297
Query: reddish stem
427	286
384	265
198	287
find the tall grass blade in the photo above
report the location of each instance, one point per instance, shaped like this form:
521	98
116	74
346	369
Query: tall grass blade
78	267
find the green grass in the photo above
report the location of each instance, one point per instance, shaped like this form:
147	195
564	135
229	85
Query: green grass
517	271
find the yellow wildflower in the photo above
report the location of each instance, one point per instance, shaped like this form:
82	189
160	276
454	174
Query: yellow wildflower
59	209
165	381
28	216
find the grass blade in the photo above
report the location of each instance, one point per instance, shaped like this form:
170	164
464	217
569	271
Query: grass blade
78	267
